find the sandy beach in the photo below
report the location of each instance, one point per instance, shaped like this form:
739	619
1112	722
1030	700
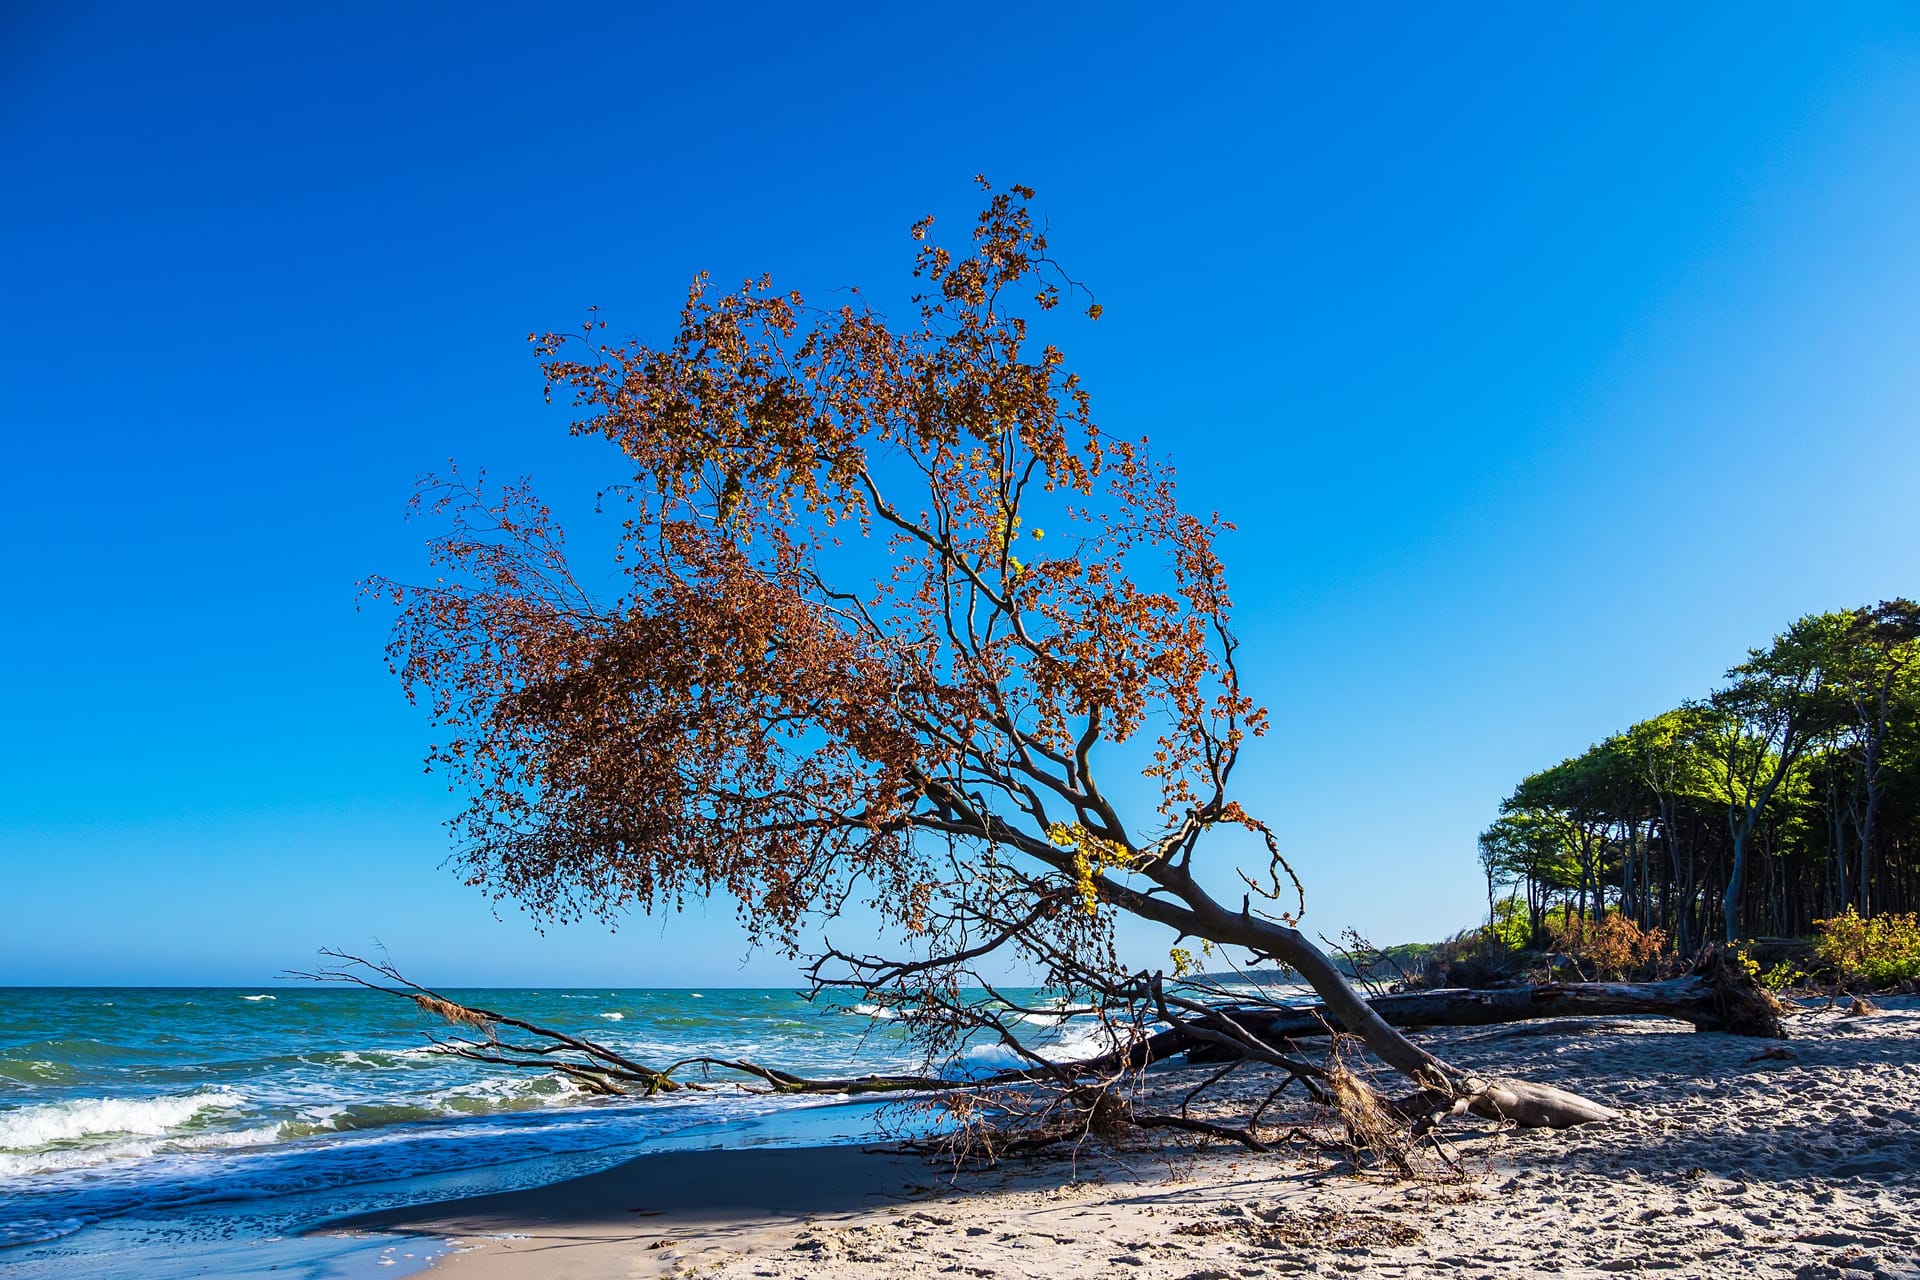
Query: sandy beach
1733	1157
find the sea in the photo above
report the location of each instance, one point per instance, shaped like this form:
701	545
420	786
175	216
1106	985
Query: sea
174	1132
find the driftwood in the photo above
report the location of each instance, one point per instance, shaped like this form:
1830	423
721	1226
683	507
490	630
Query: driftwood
1692	999
1716	996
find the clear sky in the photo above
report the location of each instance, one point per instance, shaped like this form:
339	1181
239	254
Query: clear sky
1547	357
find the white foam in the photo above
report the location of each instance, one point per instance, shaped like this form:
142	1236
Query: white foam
19	1231
64	1159
256	997
51	1122
614	1017
1079	1037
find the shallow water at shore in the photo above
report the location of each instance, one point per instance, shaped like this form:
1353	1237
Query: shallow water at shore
257	1235
140	1128
183	1118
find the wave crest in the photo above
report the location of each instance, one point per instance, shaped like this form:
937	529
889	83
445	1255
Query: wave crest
51	1122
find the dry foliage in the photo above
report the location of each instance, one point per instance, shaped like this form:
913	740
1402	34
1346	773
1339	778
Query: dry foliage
765	709
1614	948
453	1014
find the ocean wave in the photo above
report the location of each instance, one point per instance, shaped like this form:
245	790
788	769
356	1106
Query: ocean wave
473	1099
77	1049
1078	1038
612	1017
420	1052
374	1059
87	1133
53	1122
360	1116
36	1230
413	1057
31	1071
1047	1013
70	1159
256	997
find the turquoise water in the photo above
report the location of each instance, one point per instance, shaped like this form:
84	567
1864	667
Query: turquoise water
176	1132
193	1131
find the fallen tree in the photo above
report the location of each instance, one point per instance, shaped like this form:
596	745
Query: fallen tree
1716	996
842	664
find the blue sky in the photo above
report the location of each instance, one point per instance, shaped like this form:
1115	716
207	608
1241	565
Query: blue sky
1546	358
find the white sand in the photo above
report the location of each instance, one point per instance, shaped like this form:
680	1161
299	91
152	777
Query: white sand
1725	1164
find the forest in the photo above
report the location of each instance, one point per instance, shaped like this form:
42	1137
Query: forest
1787	795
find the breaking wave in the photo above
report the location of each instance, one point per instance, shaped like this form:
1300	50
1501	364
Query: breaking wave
51	1123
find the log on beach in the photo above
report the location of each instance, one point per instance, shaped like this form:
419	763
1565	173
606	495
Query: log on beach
1693	998
1713	998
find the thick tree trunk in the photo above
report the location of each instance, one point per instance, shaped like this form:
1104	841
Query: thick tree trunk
1694	998
1717	996
1732	921
1200	915
1533	1105
1866	844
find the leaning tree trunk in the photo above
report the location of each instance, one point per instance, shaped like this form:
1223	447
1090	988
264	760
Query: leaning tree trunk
1718	995
1450	1089
1524	1102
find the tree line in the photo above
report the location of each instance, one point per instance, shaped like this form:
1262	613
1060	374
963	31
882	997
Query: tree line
1789	794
